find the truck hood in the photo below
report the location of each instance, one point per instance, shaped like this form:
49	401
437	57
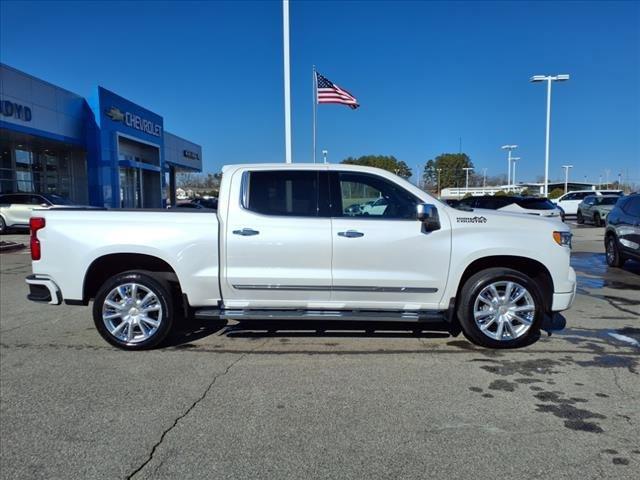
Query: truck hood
507	220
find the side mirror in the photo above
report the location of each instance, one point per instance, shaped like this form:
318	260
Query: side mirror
428	215
44	204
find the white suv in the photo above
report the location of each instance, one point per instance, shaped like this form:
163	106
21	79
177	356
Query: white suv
569	201
15	208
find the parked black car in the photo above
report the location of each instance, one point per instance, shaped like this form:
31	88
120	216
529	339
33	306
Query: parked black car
200	204
622	235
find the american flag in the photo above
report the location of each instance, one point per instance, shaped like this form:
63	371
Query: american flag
329	92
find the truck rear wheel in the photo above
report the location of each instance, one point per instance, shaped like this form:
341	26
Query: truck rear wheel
134	310
500	308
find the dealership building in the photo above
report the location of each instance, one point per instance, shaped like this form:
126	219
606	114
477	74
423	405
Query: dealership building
103	150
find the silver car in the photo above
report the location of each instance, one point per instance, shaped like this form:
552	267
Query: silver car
595	209
15	208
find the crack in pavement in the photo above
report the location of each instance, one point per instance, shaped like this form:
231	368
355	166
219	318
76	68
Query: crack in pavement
183	415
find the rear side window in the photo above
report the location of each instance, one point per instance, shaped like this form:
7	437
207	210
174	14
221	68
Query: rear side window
282	192
493	203
536	203
632	206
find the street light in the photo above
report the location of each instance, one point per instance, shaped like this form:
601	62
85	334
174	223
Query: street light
548	79
509	148
324	155
513	172
466	169
566	176
439	170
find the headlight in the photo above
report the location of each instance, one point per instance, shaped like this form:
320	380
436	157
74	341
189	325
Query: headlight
562	238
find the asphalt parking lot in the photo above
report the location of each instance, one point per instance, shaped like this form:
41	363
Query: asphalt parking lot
333	401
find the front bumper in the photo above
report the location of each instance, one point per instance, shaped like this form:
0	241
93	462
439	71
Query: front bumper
564	300
43	289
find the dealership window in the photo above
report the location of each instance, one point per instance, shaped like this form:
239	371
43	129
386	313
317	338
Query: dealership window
35	170
6	172
24	171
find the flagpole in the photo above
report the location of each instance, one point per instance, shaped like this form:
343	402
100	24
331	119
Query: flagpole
287	81
314	86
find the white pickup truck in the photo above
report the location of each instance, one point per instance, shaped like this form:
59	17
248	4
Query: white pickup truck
295	242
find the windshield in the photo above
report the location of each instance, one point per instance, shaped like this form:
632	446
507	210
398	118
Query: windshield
607	200
536	203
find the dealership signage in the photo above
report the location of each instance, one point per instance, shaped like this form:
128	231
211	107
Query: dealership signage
134	121
15	110
191	155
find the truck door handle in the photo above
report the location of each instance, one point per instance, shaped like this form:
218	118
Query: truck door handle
351	234
246	232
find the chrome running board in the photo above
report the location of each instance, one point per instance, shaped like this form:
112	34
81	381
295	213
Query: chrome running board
349	315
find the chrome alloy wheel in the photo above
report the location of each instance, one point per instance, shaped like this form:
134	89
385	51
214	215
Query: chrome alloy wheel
611	251
504	310
132	313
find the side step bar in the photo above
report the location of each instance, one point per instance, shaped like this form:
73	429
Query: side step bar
349	315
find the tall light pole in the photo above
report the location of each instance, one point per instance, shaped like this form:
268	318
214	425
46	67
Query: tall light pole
513	171
607	172
548	79
466	169
324	155
439	170
287	81
566	176
484	178
509	148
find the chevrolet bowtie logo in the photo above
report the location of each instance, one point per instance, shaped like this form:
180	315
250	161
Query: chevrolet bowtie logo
115	114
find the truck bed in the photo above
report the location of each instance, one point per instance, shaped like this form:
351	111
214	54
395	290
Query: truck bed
74	239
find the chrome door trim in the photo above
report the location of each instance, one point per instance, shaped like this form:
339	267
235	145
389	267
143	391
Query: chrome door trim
329	288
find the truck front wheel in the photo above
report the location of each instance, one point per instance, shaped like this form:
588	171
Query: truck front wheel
500	308
133	310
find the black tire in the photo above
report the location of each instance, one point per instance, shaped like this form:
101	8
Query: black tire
162	291
613	255
474	286
597	220
3	226
579	218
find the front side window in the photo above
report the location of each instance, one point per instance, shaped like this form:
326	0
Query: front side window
370	196
282	192
37	200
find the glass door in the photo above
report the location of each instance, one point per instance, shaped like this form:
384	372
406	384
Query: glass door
130	189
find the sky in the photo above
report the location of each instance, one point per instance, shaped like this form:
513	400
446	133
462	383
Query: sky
429	76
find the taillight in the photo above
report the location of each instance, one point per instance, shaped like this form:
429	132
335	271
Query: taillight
35	224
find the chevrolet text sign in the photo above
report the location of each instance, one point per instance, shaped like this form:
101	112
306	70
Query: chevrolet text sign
134	121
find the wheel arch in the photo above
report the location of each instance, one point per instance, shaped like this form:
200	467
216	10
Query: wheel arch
106	266
530	267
